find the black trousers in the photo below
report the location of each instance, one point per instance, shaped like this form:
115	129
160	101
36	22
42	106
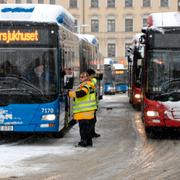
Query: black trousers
85	129
93	122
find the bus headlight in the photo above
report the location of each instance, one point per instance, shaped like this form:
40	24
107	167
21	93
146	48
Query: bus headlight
111	88
49	117
137	96
152	113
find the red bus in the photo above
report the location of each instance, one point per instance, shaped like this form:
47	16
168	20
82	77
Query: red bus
161	72
134	71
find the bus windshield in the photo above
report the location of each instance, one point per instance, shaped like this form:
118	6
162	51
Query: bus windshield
163	74
121	76
28	75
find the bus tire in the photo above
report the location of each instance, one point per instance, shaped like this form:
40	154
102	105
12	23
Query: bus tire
152	132
59	134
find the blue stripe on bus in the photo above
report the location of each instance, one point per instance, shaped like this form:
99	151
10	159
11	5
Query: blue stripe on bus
18	9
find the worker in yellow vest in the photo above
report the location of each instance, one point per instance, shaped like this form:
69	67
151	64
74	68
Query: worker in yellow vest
84	106
93	84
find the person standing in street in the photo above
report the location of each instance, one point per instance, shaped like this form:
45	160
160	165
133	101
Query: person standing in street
84	106
93	85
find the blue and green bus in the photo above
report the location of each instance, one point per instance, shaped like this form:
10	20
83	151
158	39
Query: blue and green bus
120	74
29	32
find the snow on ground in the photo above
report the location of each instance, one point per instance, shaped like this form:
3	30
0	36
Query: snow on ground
12	155
32	155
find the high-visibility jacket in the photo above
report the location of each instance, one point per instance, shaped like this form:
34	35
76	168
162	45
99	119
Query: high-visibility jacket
93	84
86	103
94	81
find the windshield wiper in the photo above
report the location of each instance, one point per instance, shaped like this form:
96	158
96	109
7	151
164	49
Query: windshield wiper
23	92
171	81
25	81
172	85
12	90
169	96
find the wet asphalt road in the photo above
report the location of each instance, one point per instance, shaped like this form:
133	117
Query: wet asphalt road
123	152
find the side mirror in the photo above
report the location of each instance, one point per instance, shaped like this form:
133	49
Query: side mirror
142	39
129	59
68	81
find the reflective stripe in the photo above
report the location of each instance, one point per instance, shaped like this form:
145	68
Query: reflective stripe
79	103
87	107
84	115
78	108
86	103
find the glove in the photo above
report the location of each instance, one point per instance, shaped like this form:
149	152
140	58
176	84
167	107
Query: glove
72	94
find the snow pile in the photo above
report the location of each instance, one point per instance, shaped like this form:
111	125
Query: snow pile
108	61
136	39
89	38
119	66
165	19
37	13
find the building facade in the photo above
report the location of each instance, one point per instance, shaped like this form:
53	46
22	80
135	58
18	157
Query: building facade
113	22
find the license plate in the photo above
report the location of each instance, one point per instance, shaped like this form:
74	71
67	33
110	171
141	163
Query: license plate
6	128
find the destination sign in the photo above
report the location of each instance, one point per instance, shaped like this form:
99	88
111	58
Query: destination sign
17	36
119	72
27	36
172	39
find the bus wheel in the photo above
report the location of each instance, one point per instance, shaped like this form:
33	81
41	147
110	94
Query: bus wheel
59	134
151	132
2	135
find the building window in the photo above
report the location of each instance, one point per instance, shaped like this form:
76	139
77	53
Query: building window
52	1
72	3
40	1
164	3
18	1
111	49
128	25
29	1
94	25
128	3
111	3
146	3
111	25
94	3
144	22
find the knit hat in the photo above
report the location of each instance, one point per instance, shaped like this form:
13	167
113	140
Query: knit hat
91	72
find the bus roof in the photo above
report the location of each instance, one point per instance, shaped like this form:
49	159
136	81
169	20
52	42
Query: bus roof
118	66
136	39
108	61
90	38
163	19
37	13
